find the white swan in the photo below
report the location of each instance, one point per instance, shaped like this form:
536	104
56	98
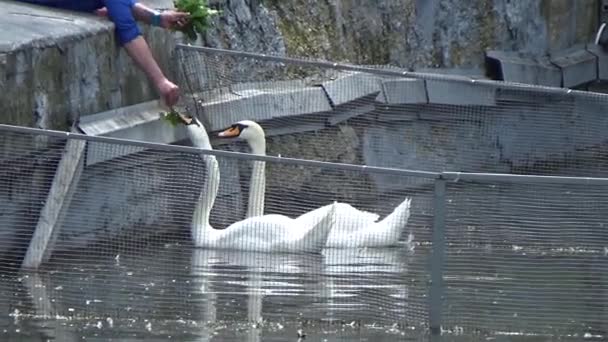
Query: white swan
352	227
268	233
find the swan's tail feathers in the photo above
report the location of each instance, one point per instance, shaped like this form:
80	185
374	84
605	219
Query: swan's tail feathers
316	237
396	221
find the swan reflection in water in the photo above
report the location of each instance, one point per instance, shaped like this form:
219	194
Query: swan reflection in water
333	286
214	294
225	275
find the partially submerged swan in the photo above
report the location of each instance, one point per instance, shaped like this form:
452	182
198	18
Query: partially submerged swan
263	233
351	228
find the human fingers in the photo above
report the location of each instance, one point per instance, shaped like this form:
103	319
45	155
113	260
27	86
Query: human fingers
172	96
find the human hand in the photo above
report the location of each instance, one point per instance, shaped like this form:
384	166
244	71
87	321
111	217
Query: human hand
102	12
169	92
174	19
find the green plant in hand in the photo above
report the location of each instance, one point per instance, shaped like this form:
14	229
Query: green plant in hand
199	16
172	117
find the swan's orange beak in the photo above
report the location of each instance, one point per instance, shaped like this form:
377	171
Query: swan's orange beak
230	132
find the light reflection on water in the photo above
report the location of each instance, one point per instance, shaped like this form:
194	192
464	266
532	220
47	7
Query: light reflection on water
203	295
186	294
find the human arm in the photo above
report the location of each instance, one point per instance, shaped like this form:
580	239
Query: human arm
168	18
140	52
129	35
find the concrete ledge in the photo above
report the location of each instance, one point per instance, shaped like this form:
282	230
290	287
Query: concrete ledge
513	67
260	105
139	122
351	87
578	66
602	60
339	98
59	65
464	94
472	73
26	26
401	91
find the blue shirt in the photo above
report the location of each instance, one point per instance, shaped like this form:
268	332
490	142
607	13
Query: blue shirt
119	12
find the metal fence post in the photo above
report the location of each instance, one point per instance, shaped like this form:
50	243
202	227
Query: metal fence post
437	258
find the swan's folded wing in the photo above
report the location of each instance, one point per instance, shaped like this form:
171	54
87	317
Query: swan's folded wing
260	233
348	218
355	220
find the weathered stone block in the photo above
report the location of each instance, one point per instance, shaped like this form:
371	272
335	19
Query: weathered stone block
400	91
260	105
578	66
602	60
139	122
460	93
526	69
351	87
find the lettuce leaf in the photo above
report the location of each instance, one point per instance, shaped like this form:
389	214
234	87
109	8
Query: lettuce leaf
199	16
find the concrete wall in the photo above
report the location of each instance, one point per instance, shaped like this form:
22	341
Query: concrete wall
25	179
120	203
57	66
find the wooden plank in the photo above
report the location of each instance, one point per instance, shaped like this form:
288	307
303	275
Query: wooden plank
66	177
39	288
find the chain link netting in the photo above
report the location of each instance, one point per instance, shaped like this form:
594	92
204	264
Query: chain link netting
393	118
526	257
124	253
520	256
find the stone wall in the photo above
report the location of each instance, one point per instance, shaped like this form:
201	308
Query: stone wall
26	174
68	65
415	34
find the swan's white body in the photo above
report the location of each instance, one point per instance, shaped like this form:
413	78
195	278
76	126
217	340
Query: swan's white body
351	227
265	233
355	228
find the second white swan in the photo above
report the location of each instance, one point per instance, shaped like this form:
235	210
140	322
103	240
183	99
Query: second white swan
351	228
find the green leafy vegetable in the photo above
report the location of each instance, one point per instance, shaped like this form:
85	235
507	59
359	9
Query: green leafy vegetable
199	16
173	118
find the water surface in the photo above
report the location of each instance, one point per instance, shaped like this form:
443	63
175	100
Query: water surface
176	292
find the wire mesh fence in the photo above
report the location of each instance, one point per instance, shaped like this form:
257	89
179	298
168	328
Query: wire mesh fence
516	254
125	245
477	253
523	256
393	118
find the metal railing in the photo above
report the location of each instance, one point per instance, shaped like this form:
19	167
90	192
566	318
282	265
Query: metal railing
472	213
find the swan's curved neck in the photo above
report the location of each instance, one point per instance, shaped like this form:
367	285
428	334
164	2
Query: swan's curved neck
257	188
198	135
258	145
202	210
206	199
